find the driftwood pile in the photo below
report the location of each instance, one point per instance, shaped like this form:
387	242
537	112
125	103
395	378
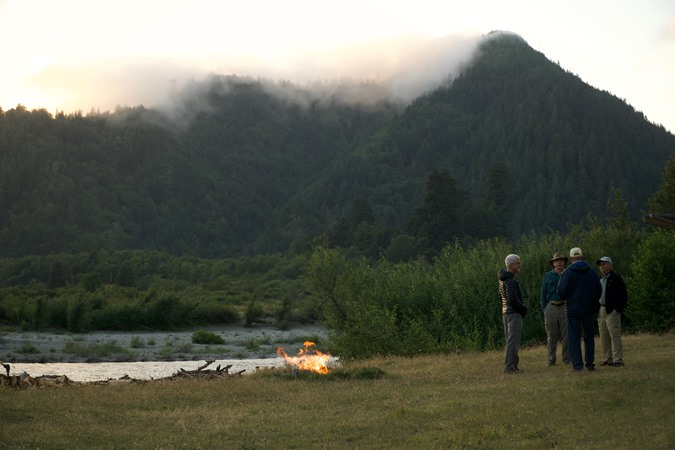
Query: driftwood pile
219	372
25	381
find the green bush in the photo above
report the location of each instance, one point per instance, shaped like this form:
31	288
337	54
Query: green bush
206	337
137	342
651	287
254	313
210	312
27	348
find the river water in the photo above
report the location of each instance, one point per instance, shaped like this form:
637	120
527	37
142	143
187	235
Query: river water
43	353
143	370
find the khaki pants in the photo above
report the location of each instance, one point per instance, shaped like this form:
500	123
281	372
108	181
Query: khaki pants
555	321
609	326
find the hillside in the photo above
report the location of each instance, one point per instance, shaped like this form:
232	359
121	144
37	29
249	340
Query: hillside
515	141
532	146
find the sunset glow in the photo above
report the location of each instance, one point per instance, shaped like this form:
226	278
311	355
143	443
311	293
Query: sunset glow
78	55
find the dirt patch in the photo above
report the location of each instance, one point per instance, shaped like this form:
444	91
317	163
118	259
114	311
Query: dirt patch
239	343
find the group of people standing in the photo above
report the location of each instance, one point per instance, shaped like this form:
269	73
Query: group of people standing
571	299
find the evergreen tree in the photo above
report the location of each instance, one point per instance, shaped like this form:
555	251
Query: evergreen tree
438	218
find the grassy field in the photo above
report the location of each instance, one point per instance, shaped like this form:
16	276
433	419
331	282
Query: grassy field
458	401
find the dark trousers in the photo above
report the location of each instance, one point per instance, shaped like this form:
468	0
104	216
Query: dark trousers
574	328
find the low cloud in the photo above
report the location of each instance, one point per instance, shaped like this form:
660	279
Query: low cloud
397	70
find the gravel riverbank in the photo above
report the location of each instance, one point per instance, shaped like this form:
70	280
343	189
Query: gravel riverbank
239	343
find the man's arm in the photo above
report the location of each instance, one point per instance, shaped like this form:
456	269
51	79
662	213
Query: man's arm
512	297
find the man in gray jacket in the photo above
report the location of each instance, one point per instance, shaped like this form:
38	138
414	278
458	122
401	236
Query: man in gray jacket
513	311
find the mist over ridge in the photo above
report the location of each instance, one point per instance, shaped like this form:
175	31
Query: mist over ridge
393	71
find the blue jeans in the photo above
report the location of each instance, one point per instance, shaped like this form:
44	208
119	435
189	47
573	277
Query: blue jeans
574	326
513	330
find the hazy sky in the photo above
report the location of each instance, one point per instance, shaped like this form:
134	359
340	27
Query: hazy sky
83	54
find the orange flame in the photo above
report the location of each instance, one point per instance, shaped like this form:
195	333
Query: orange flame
315	362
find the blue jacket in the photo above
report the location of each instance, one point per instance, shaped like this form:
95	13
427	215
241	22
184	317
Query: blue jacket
580	288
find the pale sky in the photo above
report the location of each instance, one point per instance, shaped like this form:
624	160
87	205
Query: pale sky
74	55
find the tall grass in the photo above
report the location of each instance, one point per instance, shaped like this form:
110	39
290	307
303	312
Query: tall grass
457	401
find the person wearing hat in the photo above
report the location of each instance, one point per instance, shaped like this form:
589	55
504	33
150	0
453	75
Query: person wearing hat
580	289
555	317
611	305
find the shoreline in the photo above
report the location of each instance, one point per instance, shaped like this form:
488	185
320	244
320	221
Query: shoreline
256	342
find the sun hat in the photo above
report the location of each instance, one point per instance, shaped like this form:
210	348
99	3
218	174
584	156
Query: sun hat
557	256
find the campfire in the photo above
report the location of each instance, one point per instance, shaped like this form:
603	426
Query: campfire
308	358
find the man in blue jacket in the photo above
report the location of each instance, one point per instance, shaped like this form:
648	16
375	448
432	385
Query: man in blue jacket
580	289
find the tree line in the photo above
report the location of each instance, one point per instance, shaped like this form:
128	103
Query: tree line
514	144
379	306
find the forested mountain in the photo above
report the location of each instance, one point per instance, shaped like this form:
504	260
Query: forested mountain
515	143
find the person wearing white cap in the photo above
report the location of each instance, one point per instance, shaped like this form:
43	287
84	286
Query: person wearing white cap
612	303
580	290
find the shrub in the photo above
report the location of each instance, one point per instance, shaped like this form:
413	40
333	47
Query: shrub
27	348
651	287
137	342
210	312
206	337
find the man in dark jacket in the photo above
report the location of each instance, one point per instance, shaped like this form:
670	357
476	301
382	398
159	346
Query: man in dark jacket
611	305
580	289
514	310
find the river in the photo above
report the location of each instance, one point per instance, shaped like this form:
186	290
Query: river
148	355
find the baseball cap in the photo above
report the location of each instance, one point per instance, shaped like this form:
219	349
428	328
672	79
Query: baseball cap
604	259
576	251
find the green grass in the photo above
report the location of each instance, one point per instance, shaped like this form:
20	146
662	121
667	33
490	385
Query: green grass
430	402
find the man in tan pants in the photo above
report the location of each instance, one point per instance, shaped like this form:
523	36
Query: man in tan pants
612	303
555	317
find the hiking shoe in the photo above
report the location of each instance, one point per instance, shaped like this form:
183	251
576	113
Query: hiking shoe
550	363
590	367
607	363
618	364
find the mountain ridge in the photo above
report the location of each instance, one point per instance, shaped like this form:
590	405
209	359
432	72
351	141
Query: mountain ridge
530	146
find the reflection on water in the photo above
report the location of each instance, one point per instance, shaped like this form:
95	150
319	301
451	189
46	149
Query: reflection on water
142	370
